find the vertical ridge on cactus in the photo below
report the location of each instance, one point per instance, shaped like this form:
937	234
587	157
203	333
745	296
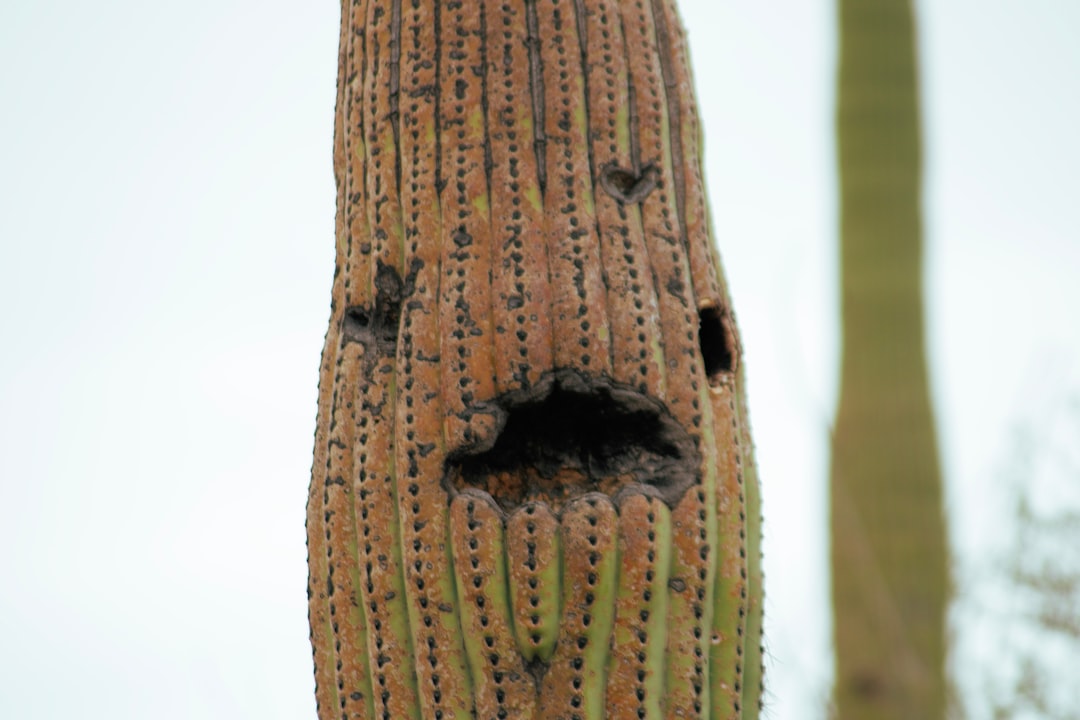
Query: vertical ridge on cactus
533	492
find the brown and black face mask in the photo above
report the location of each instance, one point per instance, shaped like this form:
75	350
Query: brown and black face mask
533	493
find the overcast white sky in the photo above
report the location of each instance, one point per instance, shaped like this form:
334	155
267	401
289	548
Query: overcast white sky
166	251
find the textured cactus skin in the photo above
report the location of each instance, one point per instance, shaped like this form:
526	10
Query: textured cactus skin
533	492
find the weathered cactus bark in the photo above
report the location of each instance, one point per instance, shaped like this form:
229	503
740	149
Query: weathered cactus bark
533	493
888	531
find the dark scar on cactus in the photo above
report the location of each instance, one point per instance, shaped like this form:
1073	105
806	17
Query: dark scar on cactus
572	434
375	326
536	91
627	186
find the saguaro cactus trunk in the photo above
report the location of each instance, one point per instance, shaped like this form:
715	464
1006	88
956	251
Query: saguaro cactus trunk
888	531
533	493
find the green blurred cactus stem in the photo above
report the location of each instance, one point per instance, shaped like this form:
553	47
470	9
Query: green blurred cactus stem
889	581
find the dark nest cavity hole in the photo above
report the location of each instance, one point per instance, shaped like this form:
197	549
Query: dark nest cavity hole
573	435
716	338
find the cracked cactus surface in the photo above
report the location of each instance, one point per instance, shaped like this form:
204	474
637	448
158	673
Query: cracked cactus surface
533	493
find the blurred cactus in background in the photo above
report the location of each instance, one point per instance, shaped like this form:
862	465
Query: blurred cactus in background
890	580
533	493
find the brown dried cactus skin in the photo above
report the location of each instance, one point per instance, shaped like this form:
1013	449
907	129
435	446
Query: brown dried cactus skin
533	492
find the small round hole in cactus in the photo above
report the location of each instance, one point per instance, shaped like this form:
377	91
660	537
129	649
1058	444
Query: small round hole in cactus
717	341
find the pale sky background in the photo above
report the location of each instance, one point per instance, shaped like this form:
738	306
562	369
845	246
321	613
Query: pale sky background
166	251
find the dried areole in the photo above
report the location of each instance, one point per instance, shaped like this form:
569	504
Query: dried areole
533	493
